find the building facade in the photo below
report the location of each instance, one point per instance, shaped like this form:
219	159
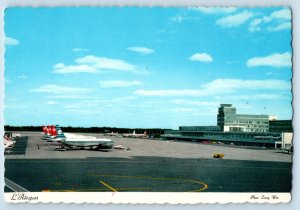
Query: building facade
199	128
280	126
238	129
266	139
229	121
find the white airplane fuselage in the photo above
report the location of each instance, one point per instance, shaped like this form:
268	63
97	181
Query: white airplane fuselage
8	144
75	140
111	134
134	135
94	142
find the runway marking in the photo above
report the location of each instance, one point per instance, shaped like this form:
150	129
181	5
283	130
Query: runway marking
205	186
199	182
109	187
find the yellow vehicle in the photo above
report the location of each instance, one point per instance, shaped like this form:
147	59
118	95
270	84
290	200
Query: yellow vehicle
219	155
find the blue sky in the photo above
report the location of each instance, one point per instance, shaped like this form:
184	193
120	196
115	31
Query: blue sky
145	67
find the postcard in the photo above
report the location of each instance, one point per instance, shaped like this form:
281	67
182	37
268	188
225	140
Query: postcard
148	105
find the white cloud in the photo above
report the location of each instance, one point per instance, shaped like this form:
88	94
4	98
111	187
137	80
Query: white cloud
275	60
61	90
141	50
80	50
98	103
22	76
119	83
215	10
202	57
177	19
93	64
254	25
184	110
267	19
60	68
282	14
73	106
11	41
59	65
84	112
15	106
272	73
90	59
256	22
221	86
252	97
106	63
68	96
231	85
167	92
234	20
280	17
52	102
281	26
196	103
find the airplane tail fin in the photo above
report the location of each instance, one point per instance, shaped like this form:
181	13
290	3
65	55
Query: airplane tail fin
59	130
45	129
49	130
60	133
7	138
53	131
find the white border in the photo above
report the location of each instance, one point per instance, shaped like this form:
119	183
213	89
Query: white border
294	4
146	198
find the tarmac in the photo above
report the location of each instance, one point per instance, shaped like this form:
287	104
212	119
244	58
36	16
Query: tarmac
147	165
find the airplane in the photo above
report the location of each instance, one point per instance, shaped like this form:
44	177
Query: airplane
92	143
111	134
54	134
135	135
79	141
51	133
8	142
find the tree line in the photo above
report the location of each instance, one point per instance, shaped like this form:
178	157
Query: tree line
154	132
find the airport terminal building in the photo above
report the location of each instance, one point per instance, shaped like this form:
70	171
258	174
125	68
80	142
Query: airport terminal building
228	120
238	129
